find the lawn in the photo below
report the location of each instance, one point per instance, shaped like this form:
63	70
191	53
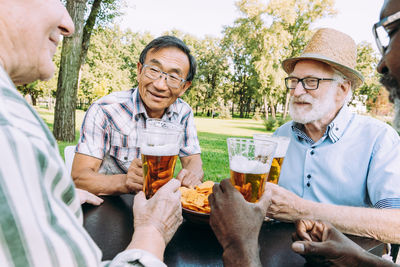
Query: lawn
212	135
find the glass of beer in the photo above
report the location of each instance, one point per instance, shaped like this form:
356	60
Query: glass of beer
276	166
159	145
249	165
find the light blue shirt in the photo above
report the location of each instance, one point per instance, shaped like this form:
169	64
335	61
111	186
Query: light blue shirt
355	163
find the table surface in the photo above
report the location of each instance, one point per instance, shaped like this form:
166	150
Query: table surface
111	227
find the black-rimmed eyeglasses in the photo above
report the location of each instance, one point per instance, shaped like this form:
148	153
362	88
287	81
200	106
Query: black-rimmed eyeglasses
154	73
382	32
309	83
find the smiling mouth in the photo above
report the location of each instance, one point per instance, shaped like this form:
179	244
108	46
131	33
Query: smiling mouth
157	95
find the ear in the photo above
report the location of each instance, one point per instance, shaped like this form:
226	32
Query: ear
185	87
344	89
139	71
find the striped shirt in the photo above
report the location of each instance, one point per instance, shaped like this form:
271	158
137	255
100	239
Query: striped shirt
40	215
110	129
355	163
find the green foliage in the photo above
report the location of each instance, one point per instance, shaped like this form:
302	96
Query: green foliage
272	124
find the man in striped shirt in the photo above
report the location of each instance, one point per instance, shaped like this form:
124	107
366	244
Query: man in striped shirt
41	218
107	159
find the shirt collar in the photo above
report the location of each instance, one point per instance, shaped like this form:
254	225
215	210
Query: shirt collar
334	130
138	106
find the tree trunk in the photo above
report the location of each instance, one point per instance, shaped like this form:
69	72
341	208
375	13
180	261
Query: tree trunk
286	105
265	106
273	112
67	86
87	30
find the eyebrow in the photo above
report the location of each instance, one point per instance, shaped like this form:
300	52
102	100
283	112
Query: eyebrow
158	63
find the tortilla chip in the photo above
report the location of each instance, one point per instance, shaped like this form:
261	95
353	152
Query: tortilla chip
197	198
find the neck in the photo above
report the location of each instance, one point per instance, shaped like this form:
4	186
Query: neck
154	114
316	129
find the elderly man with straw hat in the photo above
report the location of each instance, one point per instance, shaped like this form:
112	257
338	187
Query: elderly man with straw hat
340	167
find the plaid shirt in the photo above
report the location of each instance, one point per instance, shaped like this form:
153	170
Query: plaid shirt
110	129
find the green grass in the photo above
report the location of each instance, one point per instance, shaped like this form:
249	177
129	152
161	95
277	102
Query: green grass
212	135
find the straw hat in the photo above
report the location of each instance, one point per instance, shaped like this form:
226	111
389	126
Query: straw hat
333	48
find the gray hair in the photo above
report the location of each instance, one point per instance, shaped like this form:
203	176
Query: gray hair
341	78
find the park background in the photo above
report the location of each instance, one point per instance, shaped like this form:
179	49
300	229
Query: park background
238	89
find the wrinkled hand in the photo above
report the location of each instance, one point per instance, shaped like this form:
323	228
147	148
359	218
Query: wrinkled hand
323	245
134	177
163	211
235	222
188	178
283	204
87	197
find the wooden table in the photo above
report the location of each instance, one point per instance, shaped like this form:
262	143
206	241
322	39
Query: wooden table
111	227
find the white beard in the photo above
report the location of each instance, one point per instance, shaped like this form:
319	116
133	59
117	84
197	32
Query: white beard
396	121
319	108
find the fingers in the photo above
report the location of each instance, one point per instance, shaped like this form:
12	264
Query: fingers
188	178
94	200
171	187
308	248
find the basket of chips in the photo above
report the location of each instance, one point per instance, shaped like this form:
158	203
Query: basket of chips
195	206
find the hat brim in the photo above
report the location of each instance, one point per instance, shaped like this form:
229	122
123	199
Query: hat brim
354	76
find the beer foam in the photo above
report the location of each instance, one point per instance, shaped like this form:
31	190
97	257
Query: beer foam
160	150
244	165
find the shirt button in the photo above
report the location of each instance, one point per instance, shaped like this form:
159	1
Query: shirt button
337	129
308	184
309	176
125	158
312	152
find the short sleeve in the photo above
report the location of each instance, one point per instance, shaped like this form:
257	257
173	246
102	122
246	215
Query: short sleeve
95	133
190	141
384	171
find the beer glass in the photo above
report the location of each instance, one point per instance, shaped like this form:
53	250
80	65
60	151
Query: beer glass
159	145
249	165
276	166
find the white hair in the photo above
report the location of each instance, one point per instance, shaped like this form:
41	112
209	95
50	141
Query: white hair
341	78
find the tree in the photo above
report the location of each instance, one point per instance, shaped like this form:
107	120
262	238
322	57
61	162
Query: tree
73	55
296	18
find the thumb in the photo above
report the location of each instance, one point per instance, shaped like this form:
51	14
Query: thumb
139	200
309	248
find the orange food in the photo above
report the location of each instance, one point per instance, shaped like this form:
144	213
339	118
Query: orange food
197	198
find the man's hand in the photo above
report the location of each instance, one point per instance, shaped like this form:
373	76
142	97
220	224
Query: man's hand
236	224
323	245
163	211
87	197
189	178
283	204
134	177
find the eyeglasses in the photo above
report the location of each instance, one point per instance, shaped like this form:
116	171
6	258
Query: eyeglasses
154	73
309	83
382	33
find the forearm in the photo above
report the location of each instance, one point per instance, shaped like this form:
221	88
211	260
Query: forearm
148	239
380	224
193	164
101	184
242	256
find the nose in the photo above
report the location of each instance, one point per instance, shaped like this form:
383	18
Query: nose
161	82
299	90
66	26
382	68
